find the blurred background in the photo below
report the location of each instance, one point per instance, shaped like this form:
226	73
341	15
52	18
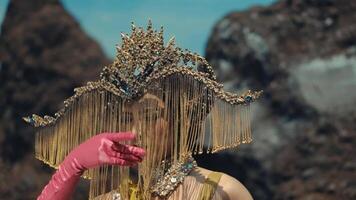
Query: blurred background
302	53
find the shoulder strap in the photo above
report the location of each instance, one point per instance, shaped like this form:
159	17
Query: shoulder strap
210	185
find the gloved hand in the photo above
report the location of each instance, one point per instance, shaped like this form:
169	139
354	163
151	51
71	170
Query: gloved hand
101	149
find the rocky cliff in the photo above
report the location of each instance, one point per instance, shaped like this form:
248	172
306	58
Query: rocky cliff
44	54
302	53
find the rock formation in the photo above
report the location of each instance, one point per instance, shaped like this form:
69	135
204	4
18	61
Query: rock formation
302	54
44	54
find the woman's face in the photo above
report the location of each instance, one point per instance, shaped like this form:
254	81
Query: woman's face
149	122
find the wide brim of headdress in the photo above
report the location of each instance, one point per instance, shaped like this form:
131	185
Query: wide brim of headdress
225	115
212	88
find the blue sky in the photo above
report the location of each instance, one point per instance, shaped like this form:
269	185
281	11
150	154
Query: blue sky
189	21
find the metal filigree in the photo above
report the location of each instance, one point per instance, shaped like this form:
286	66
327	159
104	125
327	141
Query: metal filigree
175	175
143	54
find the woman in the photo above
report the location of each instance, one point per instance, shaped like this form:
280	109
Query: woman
174	110
105	148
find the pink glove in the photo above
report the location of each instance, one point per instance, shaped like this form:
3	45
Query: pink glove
96	151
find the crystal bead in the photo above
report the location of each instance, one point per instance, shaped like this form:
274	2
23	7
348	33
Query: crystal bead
173	179
116	196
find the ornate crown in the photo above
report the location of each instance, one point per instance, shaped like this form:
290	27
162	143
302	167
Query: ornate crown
143	56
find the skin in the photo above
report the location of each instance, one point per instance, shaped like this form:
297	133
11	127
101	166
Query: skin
228	187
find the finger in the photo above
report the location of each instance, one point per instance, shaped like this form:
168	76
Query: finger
128	149
121	162
110	151
130	157
121	136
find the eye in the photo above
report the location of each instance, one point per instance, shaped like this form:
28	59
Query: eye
151	113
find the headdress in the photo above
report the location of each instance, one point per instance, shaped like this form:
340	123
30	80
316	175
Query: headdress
168	95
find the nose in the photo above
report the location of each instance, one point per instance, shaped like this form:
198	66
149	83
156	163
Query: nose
134	131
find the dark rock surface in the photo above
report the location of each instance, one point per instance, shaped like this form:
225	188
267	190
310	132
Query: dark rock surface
44	54
302	53
320	164
263	46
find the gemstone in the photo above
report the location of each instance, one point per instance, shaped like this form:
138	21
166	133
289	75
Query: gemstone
31	120
116	196
173	180
137	72
248	98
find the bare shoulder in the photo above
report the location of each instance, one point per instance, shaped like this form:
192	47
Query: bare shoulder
233	189
228	187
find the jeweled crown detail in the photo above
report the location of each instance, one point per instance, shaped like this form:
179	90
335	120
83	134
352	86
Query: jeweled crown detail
143	54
